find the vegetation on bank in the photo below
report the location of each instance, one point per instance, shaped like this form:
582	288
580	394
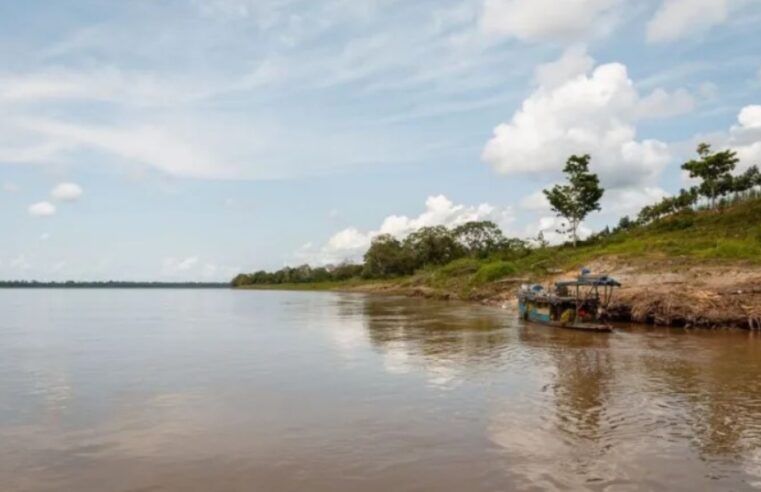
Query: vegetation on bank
716	220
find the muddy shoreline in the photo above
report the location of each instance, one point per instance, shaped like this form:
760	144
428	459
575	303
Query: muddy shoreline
663	294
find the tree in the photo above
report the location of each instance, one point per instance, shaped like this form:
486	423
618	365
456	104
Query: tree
433	246
624	224
479	238
575	200
714	169
541	242
387	258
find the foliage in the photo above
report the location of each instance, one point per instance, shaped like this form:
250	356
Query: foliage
432	246
714	170
479	239
387	257
575	200
490	272
477	253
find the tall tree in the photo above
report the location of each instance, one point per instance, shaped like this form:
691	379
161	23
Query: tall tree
714	169
433	245
575	200
387	258
479	238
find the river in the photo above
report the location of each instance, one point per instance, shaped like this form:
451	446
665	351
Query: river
201	390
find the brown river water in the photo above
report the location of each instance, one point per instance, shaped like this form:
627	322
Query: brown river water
216	390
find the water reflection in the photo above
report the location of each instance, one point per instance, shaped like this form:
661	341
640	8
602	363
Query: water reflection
444	340
316	391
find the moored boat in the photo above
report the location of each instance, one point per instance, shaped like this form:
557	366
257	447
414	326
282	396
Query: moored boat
573	304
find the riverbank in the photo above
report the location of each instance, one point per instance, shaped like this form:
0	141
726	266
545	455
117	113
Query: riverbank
669	292
693	268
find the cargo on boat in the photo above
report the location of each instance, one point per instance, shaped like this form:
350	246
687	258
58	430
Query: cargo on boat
574	304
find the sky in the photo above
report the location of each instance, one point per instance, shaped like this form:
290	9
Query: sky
194	139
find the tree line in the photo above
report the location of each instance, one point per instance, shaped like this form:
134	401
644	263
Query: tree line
391	257
108	284
572	201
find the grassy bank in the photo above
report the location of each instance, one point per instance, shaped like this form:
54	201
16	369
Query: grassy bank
693	267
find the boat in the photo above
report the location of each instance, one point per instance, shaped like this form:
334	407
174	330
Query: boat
572	304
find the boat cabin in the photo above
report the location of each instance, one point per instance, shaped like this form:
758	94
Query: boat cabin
570	304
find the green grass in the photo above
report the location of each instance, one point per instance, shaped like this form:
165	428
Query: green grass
731	236
723	237
489	272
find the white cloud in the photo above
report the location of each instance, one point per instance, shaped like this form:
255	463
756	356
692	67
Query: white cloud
10	187
351	243
532	20
661	104
149	145
750	117
67	192
549	227
588	113
108	84
629	201
744	138
41	209
676	19
574	61
537	201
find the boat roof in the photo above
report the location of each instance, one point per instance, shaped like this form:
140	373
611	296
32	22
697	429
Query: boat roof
590	280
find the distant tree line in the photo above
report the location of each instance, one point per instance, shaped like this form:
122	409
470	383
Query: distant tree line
572	201
391	257
110	284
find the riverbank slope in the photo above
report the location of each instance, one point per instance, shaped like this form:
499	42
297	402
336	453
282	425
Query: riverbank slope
692	268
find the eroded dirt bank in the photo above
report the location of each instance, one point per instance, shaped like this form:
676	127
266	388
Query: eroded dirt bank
667	292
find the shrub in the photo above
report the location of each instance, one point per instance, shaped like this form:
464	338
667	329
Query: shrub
463	266
494	271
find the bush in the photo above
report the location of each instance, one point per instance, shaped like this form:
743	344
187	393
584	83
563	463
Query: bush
494	271
463	266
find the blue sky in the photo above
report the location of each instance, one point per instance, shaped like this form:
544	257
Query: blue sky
178	140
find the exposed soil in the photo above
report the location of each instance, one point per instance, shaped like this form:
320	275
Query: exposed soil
666	292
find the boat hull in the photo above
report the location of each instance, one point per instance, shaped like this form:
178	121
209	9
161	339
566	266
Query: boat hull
540	314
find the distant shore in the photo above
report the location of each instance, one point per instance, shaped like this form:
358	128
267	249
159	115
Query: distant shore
23	284
669	292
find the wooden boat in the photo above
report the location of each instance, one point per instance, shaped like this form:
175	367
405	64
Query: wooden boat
574	304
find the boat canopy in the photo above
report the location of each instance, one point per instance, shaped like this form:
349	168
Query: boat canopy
590	280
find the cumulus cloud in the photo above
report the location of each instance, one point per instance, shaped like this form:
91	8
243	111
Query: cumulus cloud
67	192
591	113
629	201
537	201
750	116
676	19
41	209
574	61
745	138
351	243
533	20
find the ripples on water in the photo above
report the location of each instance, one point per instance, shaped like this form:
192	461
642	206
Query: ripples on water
226	390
